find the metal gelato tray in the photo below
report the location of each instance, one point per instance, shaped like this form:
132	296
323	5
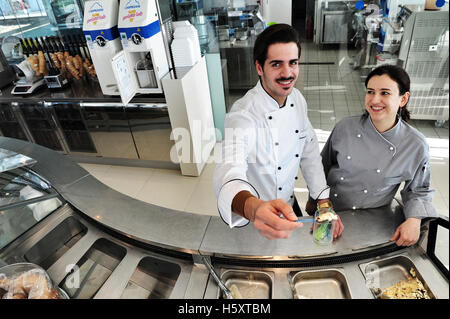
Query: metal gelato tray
251	284
384	273
50	248
93	269
152	279
320	284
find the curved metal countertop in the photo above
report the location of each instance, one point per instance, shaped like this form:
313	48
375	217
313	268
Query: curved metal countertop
193	233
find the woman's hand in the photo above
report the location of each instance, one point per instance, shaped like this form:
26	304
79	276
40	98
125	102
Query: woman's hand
407	233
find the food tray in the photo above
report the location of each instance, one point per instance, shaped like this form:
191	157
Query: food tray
384	273
320	284
251	284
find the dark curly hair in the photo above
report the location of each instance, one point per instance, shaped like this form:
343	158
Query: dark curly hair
402	79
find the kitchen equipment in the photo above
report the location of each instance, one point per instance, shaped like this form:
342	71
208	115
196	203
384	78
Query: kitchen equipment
25	87
250	284
291	284
241	33
140	32
145	73
102	37
93	269
28	82
305	220
216	277
424	55
320	284
224	32
384	273
54	79
185	45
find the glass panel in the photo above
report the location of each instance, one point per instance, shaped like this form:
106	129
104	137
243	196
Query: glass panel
441	250
16	221
10	160
20	19
18	184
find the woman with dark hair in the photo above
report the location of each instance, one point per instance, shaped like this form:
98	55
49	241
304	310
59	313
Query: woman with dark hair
368	156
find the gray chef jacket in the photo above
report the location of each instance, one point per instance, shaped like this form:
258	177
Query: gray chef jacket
365	168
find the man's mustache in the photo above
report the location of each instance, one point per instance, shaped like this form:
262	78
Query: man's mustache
286	79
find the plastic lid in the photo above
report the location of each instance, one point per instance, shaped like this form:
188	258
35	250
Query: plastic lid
359	5
440	3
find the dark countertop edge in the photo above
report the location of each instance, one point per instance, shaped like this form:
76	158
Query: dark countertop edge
45	95
140	100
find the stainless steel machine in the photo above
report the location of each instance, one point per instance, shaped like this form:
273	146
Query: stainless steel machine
424	55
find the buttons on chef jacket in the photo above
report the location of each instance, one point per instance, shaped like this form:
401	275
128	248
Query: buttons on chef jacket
365	191
354	207
296	155
280	188
292	196
292	105
335	195
276	144
358	135
296	131
342	178
279	168
378	171
296	177
391	148
349	157
270	117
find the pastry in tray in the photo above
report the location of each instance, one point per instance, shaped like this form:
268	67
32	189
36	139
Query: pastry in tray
26	281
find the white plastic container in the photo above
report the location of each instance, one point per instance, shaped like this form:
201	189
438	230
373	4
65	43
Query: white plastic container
185	31
183	52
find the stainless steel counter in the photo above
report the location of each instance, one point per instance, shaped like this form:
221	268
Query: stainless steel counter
363	229
185	231
181	232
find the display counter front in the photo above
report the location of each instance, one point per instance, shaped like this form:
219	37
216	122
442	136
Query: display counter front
125	248
79	121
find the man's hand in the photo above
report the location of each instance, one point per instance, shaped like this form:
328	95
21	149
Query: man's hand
407	233
266	217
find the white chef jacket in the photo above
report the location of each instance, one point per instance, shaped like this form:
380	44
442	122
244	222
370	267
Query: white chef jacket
264	146
365	168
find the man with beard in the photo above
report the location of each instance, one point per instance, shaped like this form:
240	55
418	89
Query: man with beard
267	138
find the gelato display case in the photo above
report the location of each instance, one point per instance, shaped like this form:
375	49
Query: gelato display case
95	242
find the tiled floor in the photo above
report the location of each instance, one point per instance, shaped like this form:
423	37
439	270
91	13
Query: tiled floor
332	91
